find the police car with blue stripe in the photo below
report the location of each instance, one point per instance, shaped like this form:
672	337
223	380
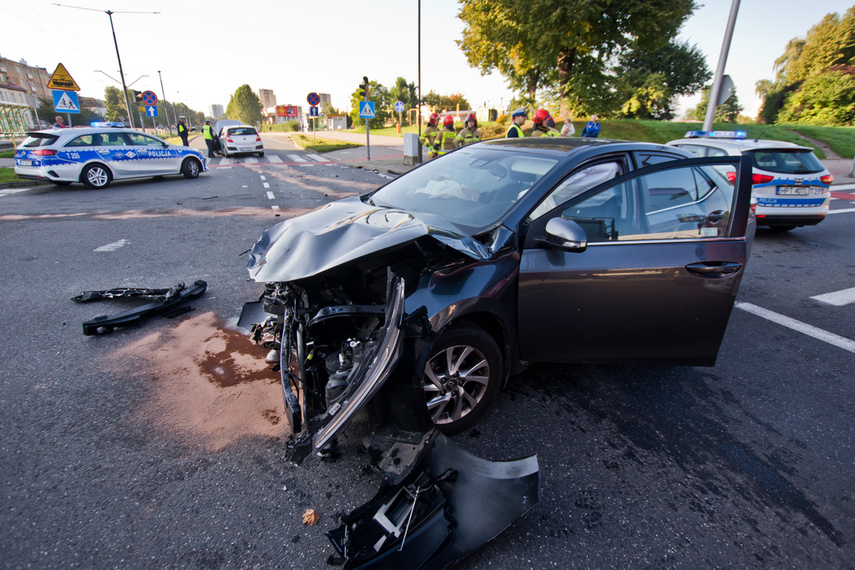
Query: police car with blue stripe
101	153
791	187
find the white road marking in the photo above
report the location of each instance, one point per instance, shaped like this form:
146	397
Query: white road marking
112	246
266	185
8	191
842	211
317	157
798	326
842	187
274	207
274	158
837	298
270	196
227	161
296	158
263	177
251	160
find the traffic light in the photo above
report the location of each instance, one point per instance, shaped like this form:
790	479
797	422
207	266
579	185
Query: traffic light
137	96
364	88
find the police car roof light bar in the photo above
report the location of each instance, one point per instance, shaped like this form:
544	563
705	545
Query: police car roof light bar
717	134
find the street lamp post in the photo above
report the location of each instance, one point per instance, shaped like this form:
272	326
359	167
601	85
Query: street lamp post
165	106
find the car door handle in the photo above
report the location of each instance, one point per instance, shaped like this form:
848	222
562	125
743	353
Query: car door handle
714	268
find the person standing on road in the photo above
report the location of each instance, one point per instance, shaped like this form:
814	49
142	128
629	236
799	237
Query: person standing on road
445	138
592	129
59	124
544	125
429	135
518	117
469	133
182	131
208	134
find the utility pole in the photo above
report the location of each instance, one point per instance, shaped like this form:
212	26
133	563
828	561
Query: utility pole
165	106
712	103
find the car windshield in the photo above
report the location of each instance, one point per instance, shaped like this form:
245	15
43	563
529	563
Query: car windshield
39	139
786	161
471	188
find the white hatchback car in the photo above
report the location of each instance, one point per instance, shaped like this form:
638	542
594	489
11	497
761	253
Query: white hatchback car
100	154
238	139
790	185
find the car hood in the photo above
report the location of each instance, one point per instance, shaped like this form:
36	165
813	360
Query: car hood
344	231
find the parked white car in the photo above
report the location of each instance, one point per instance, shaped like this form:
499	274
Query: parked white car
240	139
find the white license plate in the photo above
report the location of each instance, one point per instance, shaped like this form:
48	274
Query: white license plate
799	191
23	162
245	148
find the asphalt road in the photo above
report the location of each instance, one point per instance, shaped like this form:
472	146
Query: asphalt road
161	445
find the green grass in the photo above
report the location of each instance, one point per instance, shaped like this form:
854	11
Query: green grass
320	144
8	175
7	153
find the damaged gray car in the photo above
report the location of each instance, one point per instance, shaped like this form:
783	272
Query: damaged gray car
419	299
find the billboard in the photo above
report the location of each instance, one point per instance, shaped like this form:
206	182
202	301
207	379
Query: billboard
287	111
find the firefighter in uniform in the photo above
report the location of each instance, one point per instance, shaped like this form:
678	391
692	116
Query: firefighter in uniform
469	133
445	138
544	125
515	131
429	135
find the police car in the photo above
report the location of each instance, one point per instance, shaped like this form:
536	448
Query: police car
101	153
791	187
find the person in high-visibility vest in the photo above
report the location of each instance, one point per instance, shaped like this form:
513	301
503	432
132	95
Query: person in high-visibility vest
182	131
544	125
429	135
469	133
208	134
445	138
518	117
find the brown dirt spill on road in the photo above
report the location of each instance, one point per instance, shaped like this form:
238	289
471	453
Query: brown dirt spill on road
208	383
143	214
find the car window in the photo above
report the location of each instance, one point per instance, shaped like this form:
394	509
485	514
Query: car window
39	139
242	131
85	140
649	159
579	181
113	139
140	139
701	150
679	203
472	187
786	161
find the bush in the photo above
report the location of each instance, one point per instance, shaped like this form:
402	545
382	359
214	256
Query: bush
502	119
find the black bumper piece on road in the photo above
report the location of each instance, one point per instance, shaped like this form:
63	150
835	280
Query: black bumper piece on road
169	303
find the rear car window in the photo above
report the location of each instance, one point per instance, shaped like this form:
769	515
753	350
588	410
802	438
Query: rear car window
39	139
786	161
243	131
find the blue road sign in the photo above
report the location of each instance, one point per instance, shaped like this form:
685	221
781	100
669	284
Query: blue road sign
149	98
151	110
313	111
366	109
313	99
65	101
399	106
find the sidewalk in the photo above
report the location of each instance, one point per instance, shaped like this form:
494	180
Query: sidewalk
387	153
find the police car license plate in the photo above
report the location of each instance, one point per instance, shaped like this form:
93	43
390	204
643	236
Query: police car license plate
799	191
23	162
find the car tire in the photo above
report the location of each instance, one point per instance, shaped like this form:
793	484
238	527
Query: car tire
191	168
461	378
96	176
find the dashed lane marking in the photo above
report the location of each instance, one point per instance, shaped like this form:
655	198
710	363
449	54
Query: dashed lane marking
798	326
112	246
270	196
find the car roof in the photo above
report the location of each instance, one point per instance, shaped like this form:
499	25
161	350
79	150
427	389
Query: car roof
739	145
570	146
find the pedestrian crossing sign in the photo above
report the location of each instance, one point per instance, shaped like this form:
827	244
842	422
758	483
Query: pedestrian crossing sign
366	109
65	101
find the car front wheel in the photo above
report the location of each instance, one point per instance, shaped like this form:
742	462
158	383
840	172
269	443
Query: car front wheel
461	378
191	168
96	176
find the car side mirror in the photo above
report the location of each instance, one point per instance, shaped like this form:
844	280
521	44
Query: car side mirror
565	234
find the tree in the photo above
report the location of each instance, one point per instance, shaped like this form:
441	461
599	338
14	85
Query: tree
452	102
828	45
824	99
244	106
404	92
383	105
648	80
115	103
534	43
727	112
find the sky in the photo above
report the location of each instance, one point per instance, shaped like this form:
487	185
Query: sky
203	50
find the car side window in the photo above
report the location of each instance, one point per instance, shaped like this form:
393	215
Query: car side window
678	203
144	140
113	139
84	140
578	182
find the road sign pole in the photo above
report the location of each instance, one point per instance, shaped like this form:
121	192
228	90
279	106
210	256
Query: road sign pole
69	118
